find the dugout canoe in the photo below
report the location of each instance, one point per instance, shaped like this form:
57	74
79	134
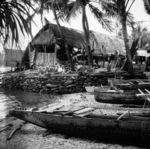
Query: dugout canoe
133	85
106	95
127	129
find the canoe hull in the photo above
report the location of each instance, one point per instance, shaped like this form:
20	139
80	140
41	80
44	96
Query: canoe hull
118	98
95	128
127	86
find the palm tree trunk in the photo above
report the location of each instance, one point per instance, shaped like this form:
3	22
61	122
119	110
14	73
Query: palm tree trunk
129	66
64	44
87	36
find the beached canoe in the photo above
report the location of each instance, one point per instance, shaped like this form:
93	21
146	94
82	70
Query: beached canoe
117	96
124	128
133	85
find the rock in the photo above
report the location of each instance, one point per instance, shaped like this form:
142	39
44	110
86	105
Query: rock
51	85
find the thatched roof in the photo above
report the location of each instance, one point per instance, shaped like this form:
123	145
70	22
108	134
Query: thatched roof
144	41
110	43
49	34
12	56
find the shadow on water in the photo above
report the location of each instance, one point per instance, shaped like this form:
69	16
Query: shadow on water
11	99
26	98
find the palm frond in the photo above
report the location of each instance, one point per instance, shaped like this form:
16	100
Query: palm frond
147	5
130	19
12	20
70	10
101	17
109	7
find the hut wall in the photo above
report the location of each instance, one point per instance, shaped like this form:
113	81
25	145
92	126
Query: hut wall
45	59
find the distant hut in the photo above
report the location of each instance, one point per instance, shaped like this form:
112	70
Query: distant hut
107	48
106	44
45	49
143	53
12	57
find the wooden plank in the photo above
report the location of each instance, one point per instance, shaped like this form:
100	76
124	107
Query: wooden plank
140	91
63	109
144	95
85	110
44	108
64	75
51	107
84	114
147	91
123	115
73	109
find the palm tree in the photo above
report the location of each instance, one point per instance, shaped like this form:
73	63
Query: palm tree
12	19
73	8
121	8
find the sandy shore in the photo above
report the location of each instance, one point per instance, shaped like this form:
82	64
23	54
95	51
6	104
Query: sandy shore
31	136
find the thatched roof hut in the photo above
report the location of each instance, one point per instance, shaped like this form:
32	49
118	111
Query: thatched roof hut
106	44
49	36
12	57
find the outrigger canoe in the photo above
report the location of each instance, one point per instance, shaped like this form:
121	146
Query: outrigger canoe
82	122
133	85
117	96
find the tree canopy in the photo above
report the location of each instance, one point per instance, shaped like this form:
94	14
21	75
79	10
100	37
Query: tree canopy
13	16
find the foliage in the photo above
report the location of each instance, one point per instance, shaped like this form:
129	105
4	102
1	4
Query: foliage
147	5
121	9
73	8
13	15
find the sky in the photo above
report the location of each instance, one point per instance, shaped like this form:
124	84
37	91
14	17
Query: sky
137	10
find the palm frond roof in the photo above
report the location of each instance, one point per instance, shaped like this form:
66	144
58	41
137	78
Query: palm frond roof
49	34
111	44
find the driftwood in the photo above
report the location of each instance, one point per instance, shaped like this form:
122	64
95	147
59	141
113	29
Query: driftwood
17	124
12	125
5	128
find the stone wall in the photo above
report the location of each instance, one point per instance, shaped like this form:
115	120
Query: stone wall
56	83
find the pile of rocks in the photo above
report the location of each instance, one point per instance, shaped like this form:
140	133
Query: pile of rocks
54	83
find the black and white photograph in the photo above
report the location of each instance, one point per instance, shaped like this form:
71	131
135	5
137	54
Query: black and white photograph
74	74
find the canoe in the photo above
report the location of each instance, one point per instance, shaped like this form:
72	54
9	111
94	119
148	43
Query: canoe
107	95
129	129
133	85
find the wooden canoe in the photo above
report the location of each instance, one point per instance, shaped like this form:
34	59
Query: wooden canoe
106	95
127	129
133	85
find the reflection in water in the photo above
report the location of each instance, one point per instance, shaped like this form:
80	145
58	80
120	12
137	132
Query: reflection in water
10	99
4	69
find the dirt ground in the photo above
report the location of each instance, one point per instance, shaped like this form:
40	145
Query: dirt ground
31	136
